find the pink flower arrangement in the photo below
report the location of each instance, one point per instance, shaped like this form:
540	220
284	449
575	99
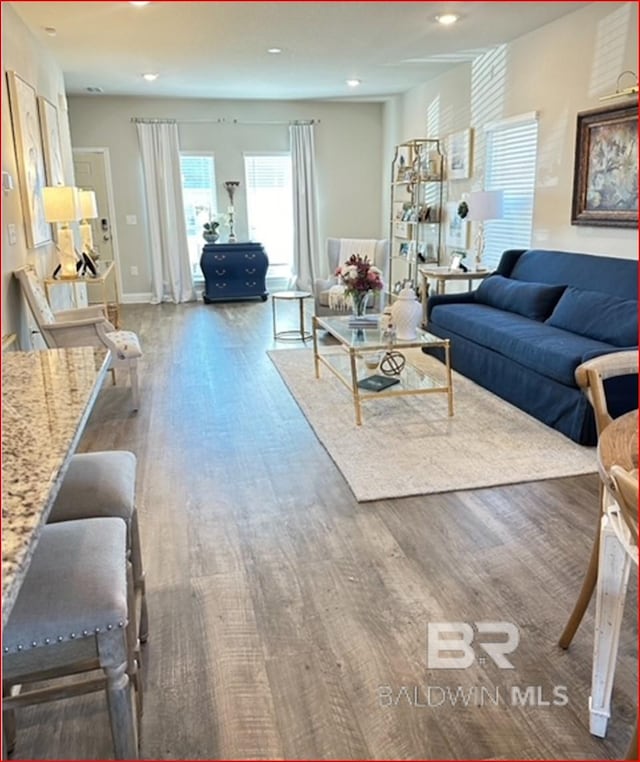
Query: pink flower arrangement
359	275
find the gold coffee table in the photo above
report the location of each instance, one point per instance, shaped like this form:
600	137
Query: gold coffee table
347	361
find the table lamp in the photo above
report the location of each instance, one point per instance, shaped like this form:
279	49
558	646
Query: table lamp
89	210
483	206
62	206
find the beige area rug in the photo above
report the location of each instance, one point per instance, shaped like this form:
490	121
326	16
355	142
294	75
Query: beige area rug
410	446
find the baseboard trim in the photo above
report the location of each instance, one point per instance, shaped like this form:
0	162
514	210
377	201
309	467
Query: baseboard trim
143	298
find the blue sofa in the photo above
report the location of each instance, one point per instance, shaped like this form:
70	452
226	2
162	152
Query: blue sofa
528	326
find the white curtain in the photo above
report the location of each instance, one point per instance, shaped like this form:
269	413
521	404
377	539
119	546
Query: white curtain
171	279
305	206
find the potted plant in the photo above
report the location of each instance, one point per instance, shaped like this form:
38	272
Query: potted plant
210	231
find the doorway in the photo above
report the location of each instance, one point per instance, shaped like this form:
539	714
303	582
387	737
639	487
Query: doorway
92	170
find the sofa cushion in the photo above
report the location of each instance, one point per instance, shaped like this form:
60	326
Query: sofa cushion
599	316
532	300
550	351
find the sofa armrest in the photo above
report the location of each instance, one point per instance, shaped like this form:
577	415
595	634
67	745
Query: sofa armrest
463	297
81	313
323	284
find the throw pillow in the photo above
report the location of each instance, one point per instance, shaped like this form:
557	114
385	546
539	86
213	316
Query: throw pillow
533	300
598	316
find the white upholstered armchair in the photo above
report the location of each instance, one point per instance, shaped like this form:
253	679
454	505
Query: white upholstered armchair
338	251
82	327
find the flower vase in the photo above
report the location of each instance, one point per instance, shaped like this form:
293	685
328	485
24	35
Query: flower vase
359	303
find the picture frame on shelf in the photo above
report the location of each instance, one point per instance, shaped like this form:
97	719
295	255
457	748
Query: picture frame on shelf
30	159
605	180
400	229
459	155
456	229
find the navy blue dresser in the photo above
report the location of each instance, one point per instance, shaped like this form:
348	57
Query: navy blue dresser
234	271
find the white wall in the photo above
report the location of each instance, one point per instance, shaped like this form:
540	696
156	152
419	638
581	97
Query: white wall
348	150
559	70
21	53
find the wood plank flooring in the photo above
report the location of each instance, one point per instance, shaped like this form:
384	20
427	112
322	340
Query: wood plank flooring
289	621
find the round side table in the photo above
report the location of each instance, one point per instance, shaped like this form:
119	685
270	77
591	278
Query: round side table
298	334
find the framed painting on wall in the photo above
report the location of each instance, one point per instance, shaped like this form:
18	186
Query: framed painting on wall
51	141
459	155
29	154
605	174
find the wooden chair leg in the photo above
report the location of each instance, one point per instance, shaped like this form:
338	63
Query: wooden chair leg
632	751
112	649
133	377
139	579
134	667
8	732
588	584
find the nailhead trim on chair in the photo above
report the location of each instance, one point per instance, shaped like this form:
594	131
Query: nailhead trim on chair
61	638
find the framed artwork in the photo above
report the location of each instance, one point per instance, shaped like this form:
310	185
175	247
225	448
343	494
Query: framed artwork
456	229
605	173
459	155
29	154
51	141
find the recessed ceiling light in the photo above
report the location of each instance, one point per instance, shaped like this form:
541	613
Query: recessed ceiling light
141	3
150	77
353	82
94	90
274	51
446	19
51	31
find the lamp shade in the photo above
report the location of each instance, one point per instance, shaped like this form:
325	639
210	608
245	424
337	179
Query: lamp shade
485	205
61	203
88	204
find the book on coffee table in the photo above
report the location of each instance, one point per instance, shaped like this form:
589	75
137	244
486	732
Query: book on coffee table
377	383
364	321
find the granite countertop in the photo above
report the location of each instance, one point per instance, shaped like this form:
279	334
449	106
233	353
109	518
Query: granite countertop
46	400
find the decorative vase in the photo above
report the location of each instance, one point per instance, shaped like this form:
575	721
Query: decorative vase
406	315
210	237
359	302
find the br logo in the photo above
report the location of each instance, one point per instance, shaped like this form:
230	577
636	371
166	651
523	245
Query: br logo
449	644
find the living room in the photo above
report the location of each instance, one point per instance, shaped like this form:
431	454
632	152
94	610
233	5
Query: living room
278	603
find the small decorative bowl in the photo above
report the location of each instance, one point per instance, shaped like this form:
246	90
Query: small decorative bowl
372	360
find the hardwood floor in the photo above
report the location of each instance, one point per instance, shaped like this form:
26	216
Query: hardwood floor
289	621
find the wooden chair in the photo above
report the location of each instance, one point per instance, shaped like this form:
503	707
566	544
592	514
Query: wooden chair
87	326
99	484
74	615
591	376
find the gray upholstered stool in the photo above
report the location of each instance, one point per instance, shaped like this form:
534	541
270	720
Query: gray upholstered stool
104	484
71	617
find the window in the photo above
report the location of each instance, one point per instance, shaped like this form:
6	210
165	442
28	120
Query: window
511	153
270	208
200	203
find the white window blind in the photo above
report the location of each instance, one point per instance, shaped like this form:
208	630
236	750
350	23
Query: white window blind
270	205
510	166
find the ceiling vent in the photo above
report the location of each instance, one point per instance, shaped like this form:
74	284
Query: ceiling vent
95	90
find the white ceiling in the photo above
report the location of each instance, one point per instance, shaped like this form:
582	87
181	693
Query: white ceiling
219	49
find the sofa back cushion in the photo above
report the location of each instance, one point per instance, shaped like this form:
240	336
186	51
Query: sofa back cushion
599	316
609	275
532	300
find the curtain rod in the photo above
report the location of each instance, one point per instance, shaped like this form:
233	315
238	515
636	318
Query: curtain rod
222	120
